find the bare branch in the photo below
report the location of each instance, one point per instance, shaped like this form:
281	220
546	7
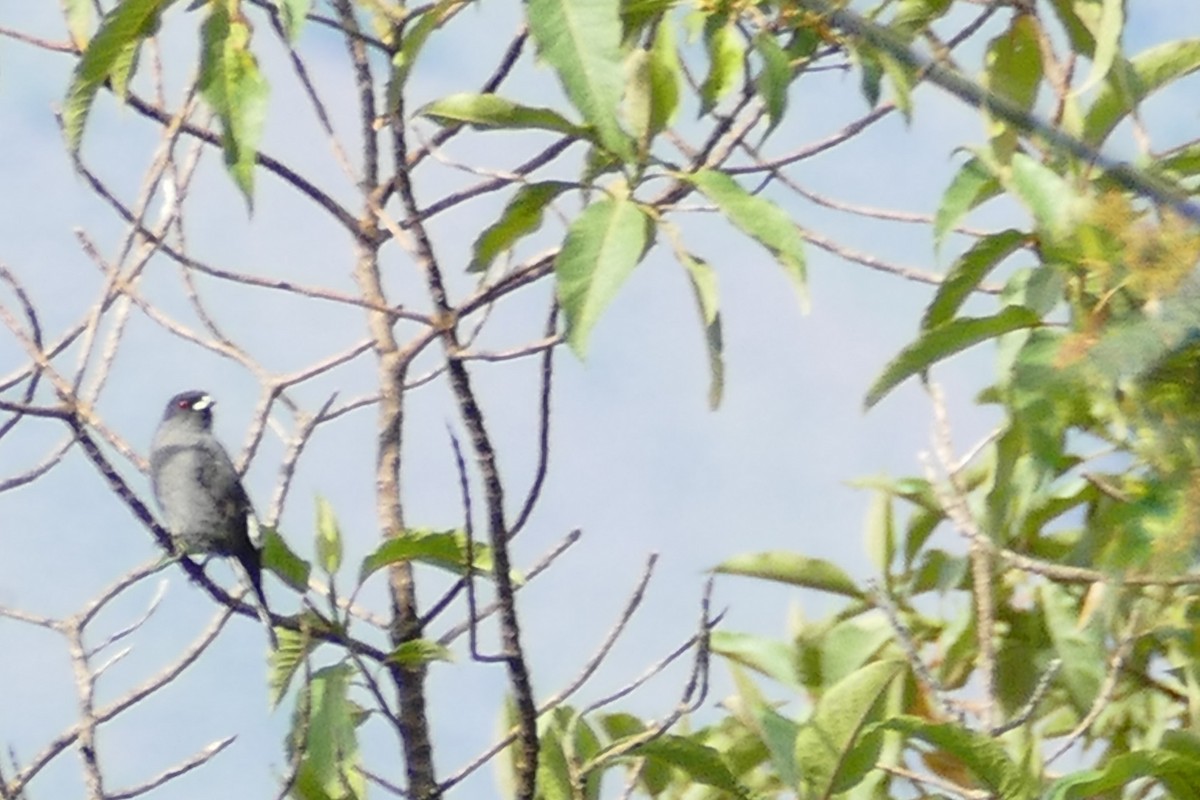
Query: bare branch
197	760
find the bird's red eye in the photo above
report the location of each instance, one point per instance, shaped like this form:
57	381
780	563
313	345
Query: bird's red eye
183	404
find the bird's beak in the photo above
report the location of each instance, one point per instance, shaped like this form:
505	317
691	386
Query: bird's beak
204	403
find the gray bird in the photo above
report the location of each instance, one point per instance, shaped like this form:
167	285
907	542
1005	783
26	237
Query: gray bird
205	508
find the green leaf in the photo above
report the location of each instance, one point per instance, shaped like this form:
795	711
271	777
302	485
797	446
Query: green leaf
324	727
1014	73
282	560
416	33
704	287
775	78
973	184
902	80
294	14
1081	649
726	55
586	745
871	79
944	341
913	16
1080	37
523	215
1107	25
78	15
553	770
638	102
507	763
1131	82
637	15
652	91
700	762
581	40
122	69
831	752
1130	348
285	660
1183	162
121	32
555	780
1014	62
881	532
981	753
937	570
664	77
621	725
968	272
491	111
775	731
329	538
445	549
850	644
1180	775
602	247
417	652
771	657
1054	200
778	733
792	568
654	776
761	219
235	89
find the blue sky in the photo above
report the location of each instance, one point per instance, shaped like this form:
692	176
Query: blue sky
638	461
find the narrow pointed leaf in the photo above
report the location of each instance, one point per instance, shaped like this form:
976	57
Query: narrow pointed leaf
326	724
979	752
1179	774
1079	645
1014	73
968	272
491	111
581	40
831	750
665	78
121	32
446	550
78	16
280	559
329	538
1108	26
764	221
726	54
522	216
775	78
294	13
1054	200
417	652
286	660
771	657
704	287
231	83
792	568
602	247
700	762
944	341
777	732
639	100
1131	82
970	187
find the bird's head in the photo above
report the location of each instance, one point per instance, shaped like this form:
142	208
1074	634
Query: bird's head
192	408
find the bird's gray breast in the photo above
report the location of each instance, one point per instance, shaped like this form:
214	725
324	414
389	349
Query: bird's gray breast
203	503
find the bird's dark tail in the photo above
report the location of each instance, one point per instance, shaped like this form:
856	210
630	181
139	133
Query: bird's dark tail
252	564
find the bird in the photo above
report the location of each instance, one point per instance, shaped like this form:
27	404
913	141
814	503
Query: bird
204	505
